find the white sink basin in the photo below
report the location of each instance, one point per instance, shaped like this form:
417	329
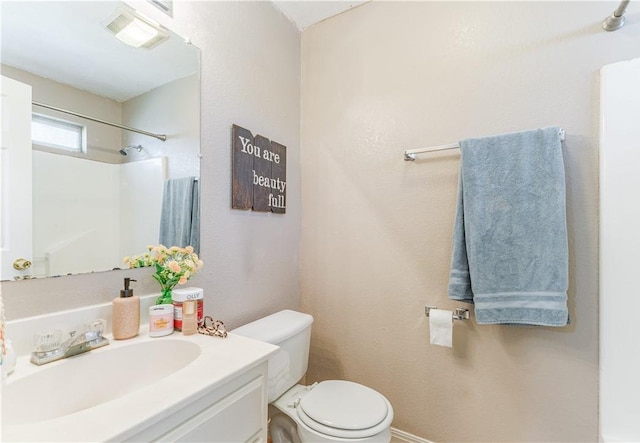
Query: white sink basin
94	378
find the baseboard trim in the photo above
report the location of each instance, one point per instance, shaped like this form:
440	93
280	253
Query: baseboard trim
406	437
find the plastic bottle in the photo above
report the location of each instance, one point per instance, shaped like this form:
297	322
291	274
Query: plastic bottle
178	296
126	313
189	317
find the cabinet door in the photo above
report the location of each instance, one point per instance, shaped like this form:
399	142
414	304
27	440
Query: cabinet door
238	417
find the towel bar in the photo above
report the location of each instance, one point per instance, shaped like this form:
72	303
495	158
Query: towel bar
410	154
458	313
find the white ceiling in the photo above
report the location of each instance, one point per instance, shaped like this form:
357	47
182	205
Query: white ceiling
305	13
66	42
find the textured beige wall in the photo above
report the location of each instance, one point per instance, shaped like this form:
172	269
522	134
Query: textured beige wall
250	75
173	109
376	231
103	141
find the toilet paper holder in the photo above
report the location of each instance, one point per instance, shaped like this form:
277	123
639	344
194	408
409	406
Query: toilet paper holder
458	313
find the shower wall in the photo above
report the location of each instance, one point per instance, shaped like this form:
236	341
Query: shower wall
619	246
87	213
141	190
76	207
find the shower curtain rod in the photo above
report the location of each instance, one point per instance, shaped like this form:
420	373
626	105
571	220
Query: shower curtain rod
616	20
104	122
410	154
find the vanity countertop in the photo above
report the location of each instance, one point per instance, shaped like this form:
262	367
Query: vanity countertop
219	361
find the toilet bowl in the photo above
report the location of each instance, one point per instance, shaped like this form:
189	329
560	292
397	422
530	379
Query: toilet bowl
337	410
329	411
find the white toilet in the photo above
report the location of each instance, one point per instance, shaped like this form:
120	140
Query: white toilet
329	411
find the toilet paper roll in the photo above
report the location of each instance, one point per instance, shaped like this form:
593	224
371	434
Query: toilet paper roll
441	327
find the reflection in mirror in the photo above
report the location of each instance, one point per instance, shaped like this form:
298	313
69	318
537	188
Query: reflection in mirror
96	193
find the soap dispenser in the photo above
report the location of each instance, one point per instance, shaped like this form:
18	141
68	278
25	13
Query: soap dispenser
126	313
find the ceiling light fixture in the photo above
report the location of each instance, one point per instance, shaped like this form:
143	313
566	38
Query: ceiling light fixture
133	30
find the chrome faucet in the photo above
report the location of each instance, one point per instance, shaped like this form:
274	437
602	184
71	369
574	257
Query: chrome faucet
49	348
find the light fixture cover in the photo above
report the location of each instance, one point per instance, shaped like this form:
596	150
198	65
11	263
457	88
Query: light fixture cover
130	28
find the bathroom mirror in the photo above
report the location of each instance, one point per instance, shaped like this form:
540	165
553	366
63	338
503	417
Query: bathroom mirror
97	198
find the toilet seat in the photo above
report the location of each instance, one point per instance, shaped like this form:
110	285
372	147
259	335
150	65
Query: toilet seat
345	409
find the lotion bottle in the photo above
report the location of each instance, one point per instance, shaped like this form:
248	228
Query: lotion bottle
126	313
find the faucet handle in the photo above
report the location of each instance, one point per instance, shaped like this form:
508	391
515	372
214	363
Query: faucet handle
93	330
48	340
98	325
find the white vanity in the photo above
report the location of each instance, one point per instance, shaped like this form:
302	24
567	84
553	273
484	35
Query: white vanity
172	388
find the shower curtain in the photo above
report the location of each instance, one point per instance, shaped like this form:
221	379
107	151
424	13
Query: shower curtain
180	217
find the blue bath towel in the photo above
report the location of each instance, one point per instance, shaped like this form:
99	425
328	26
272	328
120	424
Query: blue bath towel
510	253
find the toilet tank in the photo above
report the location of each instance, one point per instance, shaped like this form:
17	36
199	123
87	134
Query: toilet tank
291	331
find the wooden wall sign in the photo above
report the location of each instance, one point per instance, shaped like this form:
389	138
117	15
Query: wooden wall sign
259	172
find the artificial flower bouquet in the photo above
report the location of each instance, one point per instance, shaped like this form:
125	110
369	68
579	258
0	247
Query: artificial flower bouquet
173	266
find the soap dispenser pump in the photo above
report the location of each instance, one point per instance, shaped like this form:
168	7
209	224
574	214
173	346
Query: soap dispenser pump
126	313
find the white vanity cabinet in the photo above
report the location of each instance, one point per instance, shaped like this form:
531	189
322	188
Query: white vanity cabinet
233	412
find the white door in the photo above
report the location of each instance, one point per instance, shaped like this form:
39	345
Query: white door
15	179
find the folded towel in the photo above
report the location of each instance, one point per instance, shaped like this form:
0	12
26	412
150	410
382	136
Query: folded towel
510	253
180	217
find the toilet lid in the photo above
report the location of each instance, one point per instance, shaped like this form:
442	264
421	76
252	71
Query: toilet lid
343	408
